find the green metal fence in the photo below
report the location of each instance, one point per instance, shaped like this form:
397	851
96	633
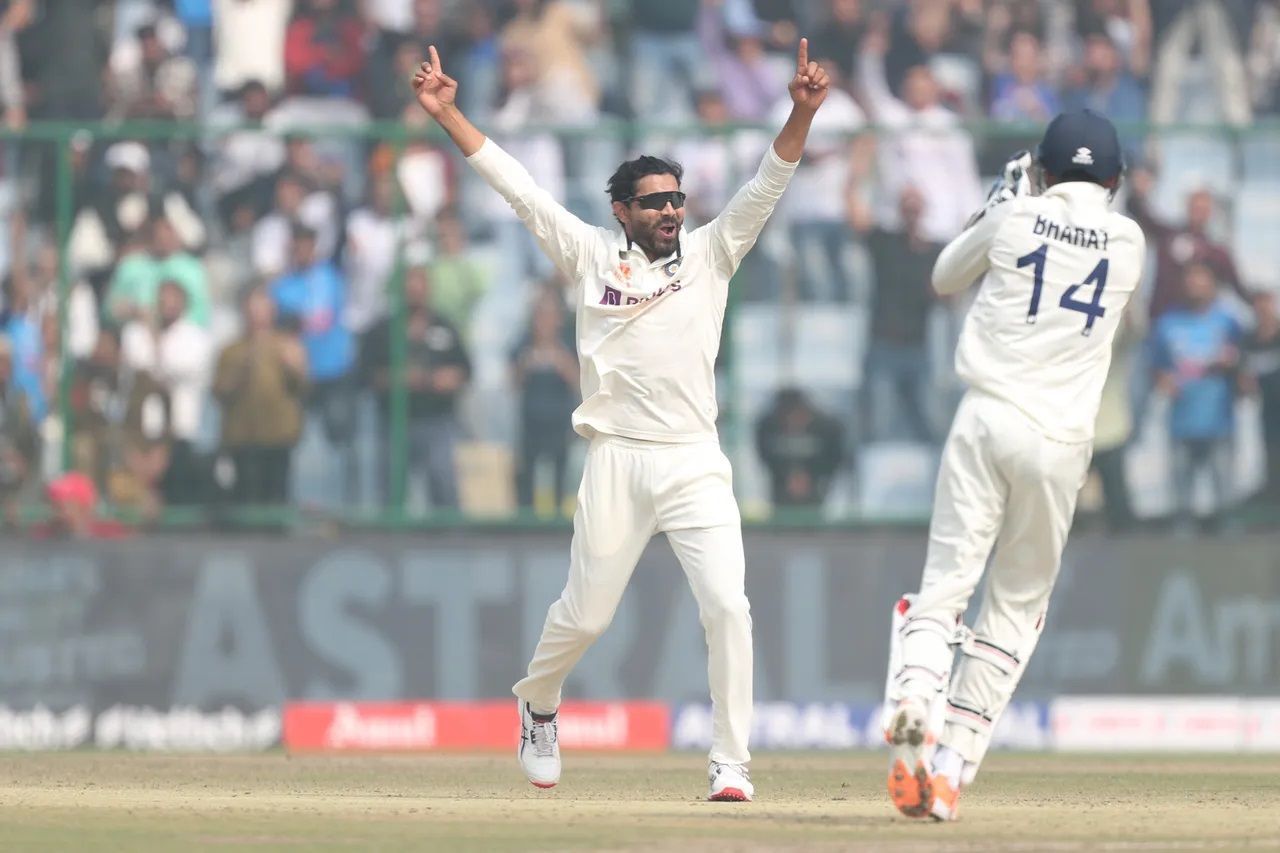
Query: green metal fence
56	139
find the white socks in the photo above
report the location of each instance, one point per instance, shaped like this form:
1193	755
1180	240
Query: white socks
949	763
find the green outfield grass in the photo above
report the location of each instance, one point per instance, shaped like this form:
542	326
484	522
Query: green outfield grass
108	801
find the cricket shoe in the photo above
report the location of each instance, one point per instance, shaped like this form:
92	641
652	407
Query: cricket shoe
730	783
911	784
946	799
539	750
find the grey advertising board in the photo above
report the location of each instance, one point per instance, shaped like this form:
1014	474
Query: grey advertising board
209	622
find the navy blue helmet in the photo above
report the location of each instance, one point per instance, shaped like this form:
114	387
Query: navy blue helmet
1081	146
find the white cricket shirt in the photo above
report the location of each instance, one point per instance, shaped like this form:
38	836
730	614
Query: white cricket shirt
1058	271
648	333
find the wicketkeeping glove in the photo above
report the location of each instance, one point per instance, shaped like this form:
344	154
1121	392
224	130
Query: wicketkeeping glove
1014	181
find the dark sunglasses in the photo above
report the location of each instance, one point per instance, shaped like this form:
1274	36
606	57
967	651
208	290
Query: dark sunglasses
658	201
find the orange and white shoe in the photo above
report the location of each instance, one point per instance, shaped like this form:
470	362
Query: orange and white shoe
911	784
946	799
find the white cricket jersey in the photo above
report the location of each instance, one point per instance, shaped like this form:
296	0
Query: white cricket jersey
1057	271
648	332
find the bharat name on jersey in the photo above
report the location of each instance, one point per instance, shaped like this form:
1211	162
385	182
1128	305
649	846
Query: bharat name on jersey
1058	271
648	331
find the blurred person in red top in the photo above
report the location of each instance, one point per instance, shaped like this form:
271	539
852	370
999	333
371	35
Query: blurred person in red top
1178	245
323	51
73	502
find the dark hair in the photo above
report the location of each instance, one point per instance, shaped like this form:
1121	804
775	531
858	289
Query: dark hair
622	186
254	85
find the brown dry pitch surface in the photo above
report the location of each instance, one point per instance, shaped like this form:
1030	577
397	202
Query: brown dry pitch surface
809	801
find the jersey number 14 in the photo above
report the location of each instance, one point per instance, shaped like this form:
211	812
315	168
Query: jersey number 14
1092	309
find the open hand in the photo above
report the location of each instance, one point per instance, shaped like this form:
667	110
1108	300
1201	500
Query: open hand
809	87
435	89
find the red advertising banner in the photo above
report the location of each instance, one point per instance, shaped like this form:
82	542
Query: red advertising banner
421	726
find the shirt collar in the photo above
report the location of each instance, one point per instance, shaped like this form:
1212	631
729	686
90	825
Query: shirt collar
1080	191
625	248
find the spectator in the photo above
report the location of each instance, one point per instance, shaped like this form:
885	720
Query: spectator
248	160
839	34
1264	363
104	223
924	146
1198	364
391	16
250	43
801	447
156	84
458	280
817	208
324	51
376	237
19	440
545	370
399	50
1107	87
66	47
296	202
775	19
521	104
73	509
137	280
1177	245
146	441
1126	22
99	400
261	381
1264	58
390	77
311	297
667	61
82	305
196	17
1219	29
14	18
941	37
20	324
478	46
176	353
715	160
557	34
1114	426
1021	92
897	359
749	78
323	170
436	369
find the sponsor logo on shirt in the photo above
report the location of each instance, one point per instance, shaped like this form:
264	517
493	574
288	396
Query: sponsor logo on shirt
613	296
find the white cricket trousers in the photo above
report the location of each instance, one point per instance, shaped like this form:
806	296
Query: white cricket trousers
630	491
1001	483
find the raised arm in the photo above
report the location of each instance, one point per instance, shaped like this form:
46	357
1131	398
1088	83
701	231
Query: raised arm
967	257
437	92
734	231
565	238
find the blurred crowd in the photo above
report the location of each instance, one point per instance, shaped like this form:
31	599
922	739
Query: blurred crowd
298	303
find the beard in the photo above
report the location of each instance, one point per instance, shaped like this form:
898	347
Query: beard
654	242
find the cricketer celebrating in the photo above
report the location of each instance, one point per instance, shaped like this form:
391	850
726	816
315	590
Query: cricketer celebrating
650	307
1057	270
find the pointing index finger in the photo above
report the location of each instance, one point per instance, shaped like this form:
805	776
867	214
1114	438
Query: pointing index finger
802	58
435	59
